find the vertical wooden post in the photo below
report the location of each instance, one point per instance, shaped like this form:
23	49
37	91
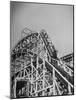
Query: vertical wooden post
43	75
69	89
54	82
15	88
36	73
31	74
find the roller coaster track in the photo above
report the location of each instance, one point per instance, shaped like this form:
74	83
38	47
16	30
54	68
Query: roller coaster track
64	75
51	63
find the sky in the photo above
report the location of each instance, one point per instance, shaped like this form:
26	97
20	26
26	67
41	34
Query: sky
57	20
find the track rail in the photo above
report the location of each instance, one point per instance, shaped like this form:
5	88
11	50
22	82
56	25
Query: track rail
58	69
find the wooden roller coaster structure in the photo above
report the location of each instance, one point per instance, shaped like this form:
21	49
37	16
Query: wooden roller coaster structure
37	71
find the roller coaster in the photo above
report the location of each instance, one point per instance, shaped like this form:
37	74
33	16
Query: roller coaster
36	71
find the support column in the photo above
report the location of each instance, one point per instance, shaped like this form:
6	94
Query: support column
69	89
15	84
28	88
31	74
15	88
54	93
43	76
59	92
37	65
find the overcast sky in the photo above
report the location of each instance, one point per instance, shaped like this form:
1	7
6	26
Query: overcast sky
57	20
